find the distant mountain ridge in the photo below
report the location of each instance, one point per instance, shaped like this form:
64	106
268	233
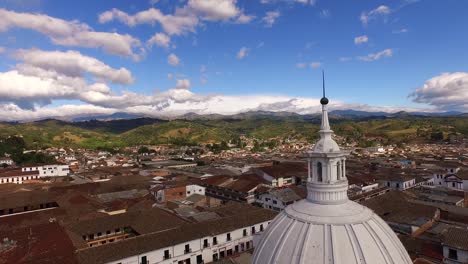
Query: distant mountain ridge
347	113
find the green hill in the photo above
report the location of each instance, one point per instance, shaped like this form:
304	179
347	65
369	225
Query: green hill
139	131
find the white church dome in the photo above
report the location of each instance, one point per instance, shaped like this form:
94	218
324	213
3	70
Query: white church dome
346	233
327	227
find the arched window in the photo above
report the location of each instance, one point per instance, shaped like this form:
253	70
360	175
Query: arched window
338	170
319	171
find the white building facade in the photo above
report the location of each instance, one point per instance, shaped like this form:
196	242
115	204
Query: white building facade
201	250
48	170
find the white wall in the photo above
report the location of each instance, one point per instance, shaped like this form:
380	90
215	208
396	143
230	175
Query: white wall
177	251
53	170
195	189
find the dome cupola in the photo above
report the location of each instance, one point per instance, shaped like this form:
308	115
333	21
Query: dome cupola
327	227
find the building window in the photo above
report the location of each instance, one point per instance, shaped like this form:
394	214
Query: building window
275	202
166	254
453	254
205	243
187	249
244	232
319	171
228	237
261	227
144	260
215	241
253	229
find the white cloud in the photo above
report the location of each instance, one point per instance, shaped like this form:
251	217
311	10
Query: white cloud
345	59
214	10
70	33
270	18
301	65
183	84
177	24
402	30
2	49
245	19
447	91
361	39
184	19
315	65
173	60
243	52
380	11
325	13
74	64
160	39
376	56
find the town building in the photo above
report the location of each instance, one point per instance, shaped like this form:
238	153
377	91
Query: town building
7	161
278	199
17	176
283	173
48	170
455	246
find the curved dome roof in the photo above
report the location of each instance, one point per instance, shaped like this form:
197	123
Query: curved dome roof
326	145
346	233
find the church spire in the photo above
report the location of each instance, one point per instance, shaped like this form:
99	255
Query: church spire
327	172
324	101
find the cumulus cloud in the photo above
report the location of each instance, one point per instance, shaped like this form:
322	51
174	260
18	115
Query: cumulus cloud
301	65
400	31
160	39
245	19
70	33
184	19
183	84
181	101
361	39
74	64
173	60
242	53
315	65
270	18
380	11
377	56
447	91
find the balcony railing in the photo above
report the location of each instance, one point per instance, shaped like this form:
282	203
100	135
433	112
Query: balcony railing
205	245
186	251
167	256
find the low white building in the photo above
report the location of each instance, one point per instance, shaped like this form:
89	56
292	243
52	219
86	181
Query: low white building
452	178
278	199
48	170
398	181
17	176
203	242
455	246
7	161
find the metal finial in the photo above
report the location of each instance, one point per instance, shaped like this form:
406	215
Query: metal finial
324	99
323	82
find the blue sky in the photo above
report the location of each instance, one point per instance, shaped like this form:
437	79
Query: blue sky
62	58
